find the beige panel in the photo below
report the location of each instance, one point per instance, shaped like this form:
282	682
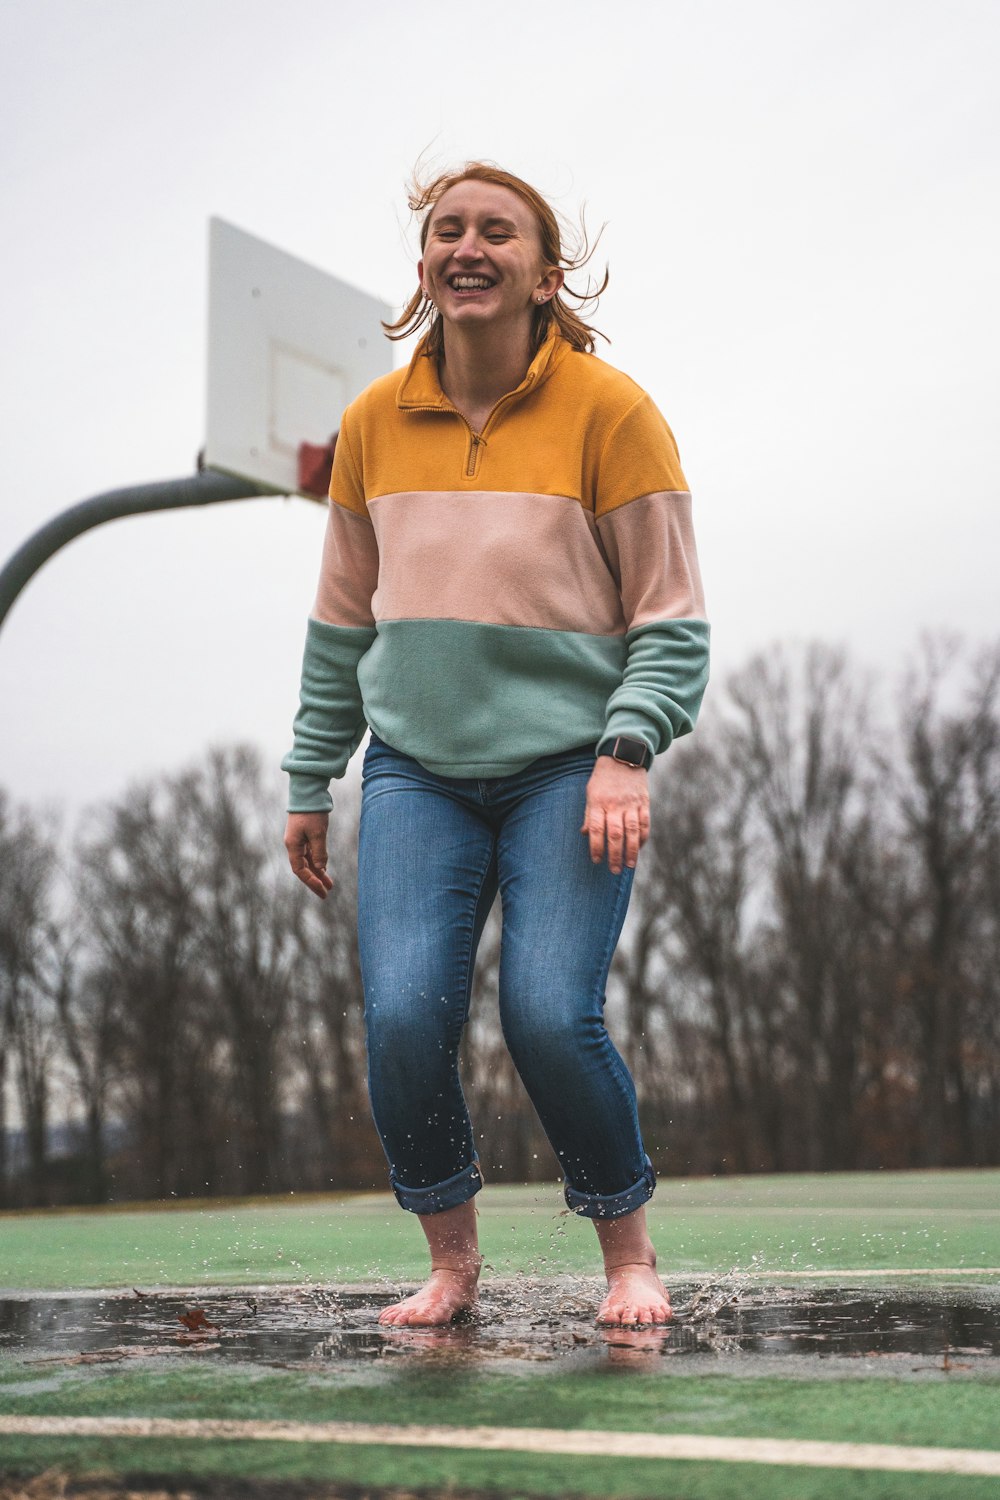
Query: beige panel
497	558
651	548
349	571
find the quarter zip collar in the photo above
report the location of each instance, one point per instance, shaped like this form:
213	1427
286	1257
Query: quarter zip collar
421	386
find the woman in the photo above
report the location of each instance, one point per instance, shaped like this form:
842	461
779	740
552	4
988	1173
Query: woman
510	599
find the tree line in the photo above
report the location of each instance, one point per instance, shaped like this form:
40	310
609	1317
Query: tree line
808	978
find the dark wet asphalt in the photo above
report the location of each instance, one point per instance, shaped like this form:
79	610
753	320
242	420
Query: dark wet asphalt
519	1321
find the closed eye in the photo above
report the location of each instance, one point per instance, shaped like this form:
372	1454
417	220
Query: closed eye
496	236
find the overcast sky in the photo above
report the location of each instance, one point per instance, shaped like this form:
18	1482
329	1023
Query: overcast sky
802	228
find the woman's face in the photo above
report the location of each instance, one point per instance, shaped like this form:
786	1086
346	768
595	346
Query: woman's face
482	262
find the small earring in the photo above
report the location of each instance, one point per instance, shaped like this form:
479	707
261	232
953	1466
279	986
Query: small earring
539	300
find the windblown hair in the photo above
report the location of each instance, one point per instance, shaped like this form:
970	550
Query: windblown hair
423	197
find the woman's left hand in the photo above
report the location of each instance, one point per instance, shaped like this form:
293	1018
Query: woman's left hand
617	812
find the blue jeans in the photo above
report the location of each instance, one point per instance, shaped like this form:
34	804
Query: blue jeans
434	851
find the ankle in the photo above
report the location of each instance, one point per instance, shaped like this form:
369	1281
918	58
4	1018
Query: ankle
465	1264
635	1255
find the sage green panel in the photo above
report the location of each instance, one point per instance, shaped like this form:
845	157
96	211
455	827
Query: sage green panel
664	682
467	699
330	723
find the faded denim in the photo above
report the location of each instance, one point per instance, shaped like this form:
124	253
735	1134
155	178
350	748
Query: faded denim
433	853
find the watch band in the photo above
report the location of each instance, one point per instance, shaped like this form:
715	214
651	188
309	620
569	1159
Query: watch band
628	750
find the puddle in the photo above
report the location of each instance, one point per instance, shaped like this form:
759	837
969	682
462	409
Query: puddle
520	1320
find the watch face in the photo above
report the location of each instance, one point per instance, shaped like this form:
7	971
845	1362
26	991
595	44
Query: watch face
631	751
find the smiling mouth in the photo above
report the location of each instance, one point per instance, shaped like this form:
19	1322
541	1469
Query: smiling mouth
470	283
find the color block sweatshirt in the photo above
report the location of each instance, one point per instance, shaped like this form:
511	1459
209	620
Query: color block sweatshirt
487	598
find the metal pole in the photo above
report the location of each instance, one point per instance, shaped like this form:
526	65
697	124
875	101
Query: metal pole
205	488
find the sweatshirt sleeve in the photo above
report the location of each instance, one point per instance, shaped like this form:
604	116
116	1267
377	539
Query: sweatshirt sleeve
330	723
644	522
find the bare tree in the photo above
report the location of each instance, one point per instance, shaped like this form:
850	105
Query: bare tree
800	739
138	887
86	1028
245	942
684	965
950	802
337	1143
27	1042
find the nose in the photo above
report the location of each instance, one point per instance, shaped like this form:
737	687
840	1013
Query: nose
467	247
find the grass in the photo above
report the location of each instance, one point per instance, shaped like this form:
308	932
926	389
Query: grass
942	1412
885	1221
886	1410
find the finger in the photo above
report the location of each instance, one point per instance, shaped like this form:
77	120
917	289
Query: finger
316	849
316	884
595	830
616	841
317	857
302	870
632	841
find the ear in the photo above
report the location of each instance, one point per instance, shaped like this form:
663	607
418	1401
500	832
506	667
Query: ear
420	276
550	283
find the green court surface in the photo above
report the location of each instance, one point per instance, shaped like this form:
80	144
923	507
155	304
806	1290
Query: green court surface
936	1232
892	1222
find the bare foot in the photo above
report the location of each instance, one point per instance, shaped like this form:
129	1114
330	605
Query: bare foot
636	1295
439	1300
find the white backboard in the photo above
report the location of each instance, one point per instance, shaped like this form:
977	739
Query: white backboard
288	347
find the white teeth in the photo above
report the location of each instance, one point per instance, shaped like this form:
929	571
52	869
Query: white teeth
470	283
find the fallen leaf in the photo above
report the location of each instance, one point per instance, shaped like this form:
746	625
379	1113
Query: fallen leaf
195	1321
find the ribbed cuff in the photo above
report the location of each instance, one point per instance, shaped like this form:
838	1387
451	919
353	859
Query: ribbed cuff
308	793
635	727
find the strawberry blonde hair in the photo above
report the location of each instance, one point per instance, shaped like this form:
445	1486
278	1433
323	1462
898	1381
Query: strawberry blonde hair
422	198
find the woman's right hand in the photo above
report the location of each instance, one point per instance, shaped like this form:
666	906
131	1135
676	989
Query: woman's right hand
305	840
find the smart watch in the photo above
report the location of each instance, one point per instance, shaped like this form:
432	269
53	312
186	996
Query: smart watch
630	751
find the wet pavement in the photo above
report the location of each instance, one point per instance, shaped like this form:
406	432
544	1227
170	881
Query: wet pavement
520	1322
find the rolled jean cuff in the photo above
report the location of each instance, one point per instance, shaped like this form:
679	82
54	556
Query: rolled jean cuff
441	1195
613	1205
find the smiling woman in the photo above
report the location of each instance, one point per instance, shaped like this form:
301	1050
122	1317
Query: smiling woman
530	212
510	599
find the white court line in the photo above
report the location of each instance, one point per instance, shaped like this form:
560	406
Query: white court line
527	1440
869	1272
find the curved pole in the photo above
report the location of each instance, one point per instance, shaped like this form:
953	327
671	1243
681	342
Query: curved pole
205	488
